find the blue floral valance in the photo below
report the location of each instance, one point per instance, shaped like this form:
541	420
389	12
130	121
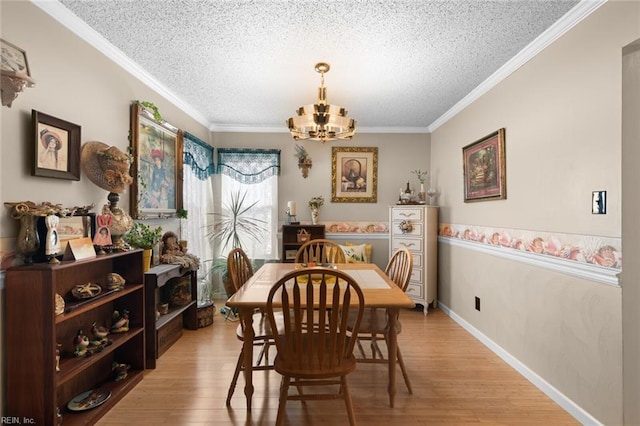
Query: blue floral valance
199	156
249	165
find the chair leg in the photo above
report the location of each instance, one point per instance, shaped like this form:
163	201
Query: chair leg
404	372
232	386
282	406
347	400
360	348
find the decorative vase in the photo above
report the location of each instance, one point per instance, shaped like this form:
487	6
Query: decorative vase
315	215
121	223
28	241
423	194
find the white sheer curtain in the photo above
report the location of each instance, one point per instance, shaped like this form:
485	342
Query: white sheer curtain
197	199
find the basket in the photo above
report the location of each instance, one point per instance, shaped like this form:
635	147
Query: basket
302	236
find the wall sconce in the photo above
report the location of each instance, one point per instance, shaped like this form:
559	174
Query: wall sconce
304	165
12	86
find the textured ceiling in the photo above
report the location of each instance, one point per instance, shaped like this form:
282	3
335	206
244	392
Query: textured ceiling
250	64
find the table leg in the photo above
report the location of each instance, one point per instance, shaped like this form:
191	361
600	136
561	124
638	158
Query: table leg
247	350
392	356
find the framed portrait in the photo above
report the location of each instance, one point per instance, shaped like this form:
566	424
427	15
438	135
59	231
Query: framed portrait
13	60
56	143
157	167
484	165
354	174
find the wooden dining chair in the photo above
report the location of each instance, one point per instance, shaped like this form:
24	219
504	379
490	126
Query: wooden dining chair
240	270
320	251
374	325
320	353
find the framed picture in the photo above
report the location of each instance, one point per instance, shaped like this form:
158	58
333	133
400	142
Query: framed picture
354	174
484	166
56	147
157	167
13	60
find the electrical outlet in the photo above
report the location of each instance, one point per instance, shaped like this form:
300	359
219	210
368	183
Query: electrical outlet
477	304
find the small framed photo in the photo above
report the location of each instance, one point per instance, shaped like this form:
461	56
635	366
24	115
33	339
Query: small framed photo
13	60
157	166
290	254
354	174
484	165
56	147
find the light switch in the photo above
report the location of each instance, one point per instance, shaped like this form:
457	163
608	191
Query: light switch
599	202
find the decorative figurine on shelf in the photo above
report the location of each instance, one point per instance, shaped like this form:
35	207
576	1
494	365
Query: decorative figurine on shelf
52	246
80	343
174	253
120	321
99	334
58	347
115	282
103	236
119	371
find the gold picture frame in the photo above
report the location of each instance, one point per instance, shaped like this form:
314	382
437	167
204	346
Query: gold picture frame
157	167
484	165
354	174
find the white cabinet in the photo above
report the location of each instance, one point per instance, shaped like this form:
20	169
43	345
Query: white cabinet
416	227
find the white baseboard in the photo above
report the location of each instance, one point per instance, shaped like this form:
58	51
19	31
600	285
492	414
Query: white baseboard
567	404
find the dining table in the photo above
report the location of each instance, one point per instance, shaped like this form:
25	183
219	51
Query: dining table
378	291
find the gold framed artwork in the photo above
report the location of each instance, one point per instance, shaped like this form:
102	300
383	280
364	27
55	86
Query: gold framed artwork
56	147
354	174
157	167
484	165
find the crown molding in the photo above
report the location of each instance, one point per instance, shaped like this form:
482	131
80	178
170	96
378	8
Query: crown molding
236	128
64	16
560	27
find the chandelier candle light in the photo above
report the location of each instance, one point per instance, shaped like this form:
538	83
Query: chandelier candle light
321	121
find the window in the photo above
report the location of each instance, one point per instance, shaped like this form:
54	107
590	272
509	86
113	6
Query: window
254	174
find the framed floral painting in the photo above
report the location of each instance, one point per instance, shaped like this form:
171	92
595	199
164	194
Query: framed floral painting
484	165
157	166
354	174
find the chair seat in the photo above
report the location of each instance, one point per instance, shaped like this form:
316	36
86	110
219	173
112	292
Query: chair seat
303	370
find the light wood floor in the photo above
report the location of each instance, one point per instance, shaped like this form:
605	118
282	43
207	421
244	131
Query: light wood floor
456	380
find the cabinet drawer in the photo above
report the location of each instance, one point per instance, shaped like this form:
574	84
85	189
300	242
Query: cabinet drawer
409	213
416	275
413	244
416	231
414	290
417	259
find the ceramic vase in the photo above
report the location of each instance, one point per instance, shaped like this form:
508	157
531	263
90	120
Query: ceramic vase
315	216
28	241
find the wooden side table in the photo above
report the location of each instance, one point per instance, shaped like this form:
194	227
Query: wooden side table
162	331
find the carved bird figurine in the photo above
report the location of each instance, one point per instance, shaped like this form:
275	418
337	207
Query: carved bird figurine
120	322
99	333
119	371
80	343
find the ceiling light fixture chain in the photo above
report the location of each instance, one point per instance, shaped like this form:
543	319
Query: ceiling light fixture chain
321	121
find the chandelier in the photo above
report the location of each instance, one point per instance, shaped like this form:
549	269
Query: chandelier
321	121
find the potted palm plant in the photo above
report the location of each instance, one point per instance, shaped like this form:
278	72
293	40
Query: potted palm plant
232	226
144	237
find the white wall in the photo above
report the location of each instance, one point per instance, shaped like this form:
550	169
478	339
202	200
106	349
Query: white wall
562	114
